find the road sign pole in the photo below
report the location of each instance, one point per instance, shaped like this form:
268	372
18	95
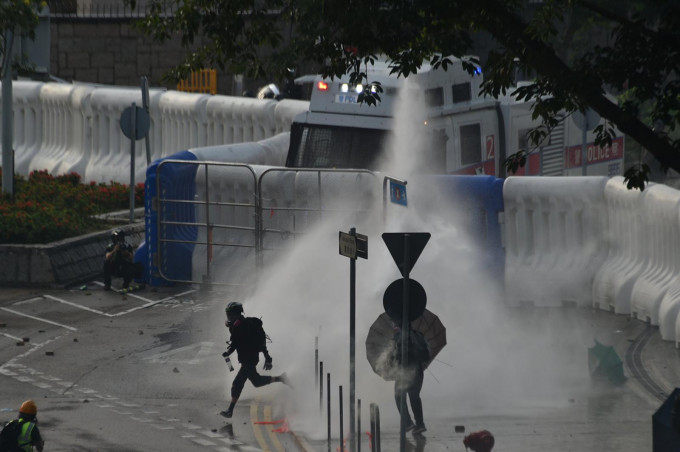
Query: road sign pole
145	106
133	126
7	120
405	327
352	345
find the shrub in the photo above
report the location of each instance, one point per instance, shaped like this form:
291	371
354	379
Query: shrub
48	208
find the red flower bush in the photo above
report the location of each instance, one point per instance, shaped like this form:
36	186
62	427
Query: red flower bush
47	208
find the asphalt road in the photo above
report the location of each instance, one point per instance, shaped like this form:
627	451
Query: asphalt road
143	372
135	372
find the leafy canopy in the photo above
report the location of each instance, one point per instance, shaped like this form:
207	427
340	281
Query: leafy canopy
576	50
17	17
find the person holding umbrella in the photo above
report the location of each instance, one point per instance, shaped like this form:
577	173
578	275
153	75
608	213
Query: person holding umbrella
382	352
409	381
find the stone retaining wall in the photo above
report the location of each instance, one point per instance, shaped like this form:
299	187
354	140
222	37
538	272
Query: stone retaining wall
113	52
62	263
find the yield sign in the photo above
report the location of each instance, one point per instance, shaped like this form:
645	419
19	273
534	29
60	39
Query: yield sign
395	243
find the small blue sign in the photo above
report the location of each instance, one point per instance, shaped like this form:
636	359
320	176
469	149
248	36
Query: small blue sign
398	193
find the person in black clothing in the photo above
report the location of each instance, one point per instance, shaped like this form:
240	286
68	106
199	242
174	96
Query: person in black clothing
247	339
410	380
118	261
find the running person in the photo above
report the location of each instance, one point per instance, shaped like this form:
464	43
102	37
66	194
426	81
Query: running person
247	339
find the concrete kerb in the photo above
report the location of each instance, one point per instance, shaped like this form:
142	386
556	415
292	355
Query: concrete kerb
62	263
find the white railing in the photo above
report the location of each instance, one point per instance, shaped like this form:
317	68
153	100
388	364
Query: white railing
66	128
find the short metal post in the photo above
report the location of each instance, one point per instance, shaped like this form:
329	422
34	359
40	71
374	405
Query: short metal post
376	438
375	427
342	447
358	425
328	405
371	418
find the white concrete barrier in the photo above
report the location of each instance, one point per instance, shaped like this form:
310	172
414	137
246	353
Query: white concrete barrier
613	282
661	239
183	121
669	313
239	119
64	128
554	238
109	156
78	154
285	111
27	123
57	118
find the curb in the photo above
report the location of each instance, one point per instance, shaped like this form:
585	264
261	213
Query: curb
62	263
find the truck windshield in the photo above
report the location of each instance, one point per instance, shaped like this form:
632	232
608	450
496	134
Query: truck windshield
319	146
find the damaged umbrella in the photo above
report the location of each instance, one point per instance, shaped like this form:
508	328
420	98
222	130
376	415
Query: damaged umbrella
604	362
380	341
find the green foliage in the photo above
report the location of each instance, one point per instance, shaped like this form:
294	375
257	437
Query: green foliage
19	17
516	161
636	52
48	208
636	176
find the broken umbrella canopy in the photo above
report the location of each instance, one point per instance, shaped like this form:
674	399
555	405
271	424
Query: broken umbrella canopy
380	341
604	363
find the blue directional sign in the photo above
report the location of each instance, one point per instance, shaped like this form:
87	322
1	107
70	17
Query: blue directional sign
398	193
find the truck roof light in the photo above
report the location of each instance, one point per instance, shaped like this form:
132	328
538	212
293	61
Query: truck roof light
322	86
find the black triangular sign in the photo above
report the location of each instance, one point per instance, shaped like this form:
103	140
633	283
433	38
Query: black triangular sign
416	244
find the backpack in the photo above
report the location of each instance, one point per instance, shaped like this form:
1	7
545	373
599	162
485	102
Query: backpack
256	334
9	436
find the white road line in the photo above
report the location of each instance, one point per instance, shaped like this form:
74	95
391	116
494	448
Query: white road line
153	302
15	338
14	361
76	305
211	434
30	300
12	311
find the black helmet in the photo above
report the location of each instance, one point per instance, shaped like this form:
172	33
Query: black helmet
234	308
118	236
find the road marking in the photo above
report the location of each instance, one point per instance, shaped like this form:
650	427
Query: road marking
204	349
160	422
256	428
18	339
76	305
272	434
12	311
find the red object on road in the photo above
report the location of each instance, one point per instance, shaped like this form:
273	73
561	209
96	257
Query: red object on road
481	441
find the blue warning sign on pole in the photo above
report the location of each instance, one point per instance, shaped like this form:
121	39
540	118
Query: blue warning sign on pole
398	193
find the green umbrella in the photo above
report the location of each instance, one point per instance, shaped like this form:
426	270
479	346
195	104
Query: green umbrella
604	362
